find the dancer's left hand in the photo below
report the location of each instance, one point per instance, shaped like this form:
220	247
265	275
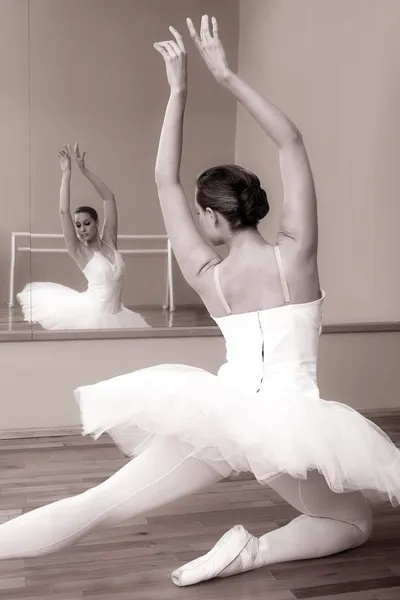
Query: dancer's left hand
79	159
174	54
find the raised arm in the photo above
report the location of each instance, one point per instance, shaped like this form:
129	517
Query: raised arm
299	213
68	228
191	251
110	227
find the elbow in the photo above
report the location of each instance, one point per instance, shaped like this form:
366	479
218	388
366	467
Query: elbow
293	137
164	179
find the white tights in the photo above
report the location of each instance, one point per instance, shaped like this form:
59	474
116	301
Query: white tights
329	522
166	472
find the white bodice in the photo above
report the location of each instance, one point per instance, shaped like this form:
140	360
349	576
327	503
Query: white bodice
277	346
105	281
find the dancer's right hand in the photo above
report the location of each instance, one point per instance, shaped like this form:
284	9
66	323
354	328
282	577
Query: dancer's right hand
210	47
65	160
174	55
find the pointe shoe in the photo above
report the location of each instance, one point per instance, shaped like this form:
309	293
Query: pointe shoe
230	556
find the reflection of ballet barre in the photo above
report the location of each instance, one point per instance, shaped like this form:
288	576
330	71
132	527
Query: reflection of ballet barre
169	287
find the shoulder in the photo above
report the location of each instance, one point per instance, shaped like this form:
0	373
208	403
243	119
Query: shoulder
82	255
204	280
300	264
296	252
110	239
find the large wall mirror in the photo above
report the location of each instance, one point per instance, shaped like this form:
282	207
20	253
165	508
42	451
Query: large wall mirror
96	79
87	72
14	166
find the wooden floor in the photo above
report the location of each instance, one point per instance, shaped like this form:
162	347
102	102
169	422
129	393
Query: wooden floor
134	561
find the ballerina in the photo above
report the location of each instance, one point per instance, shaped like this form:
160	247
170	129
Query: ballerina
186	428
55	306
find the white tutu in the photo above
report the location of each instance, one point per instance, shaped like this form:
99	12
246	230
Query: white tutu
55	306
266	434
262	413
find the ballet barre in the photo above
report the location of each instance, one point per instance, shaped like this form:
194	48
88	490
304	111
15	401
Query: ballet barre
16	248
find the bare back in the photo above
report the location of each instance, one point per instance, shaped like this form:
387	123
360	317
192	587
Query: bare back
257	282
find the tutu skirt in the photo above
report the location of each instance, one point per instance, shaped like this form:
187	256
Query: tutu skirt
284	429
55	306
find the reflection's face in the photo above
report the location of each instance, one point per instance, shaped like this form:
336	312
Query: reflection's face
86	227
208	225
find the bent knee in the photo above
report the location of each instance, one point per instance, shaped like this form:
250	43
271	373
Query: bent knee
363	522
351	507
359	524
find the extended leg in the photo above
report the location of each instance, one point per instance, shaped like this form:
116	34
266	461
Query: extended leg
164	473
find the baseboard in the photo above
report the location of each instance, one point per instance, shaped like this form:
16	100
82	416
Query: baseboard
370	413
40	432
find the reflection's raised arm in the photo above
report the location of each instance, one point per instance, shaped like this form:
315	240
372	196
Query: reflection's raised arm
68	228
110	228
299	216
191	251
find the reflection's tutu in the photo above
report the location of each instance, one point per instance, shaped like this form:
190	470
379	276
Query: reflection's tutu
55	306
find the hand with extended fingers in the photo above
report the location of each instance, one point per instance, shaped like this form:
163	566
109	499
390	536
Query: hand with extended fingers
208	44
174	54
210	47
79	158
65	160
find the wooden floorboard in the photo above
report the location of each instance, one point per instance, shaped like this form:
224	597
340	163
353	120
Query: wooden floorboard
134	561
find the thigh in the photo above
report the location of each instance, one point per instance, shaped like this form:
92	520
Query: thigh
165	472
313	497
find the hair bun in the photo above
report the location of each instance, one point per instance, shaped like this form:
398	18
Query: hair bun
253	204
235	193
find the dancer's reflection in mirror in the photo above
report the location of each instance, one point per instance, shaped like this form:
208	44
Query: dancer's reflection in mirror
95	251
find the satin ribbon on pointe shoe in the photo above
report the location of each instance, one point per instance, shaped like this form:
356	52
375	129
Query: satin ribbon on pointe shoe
231	555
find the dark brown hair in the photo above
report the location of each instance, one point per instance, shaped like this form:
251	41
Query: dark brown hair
89	210
233	192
